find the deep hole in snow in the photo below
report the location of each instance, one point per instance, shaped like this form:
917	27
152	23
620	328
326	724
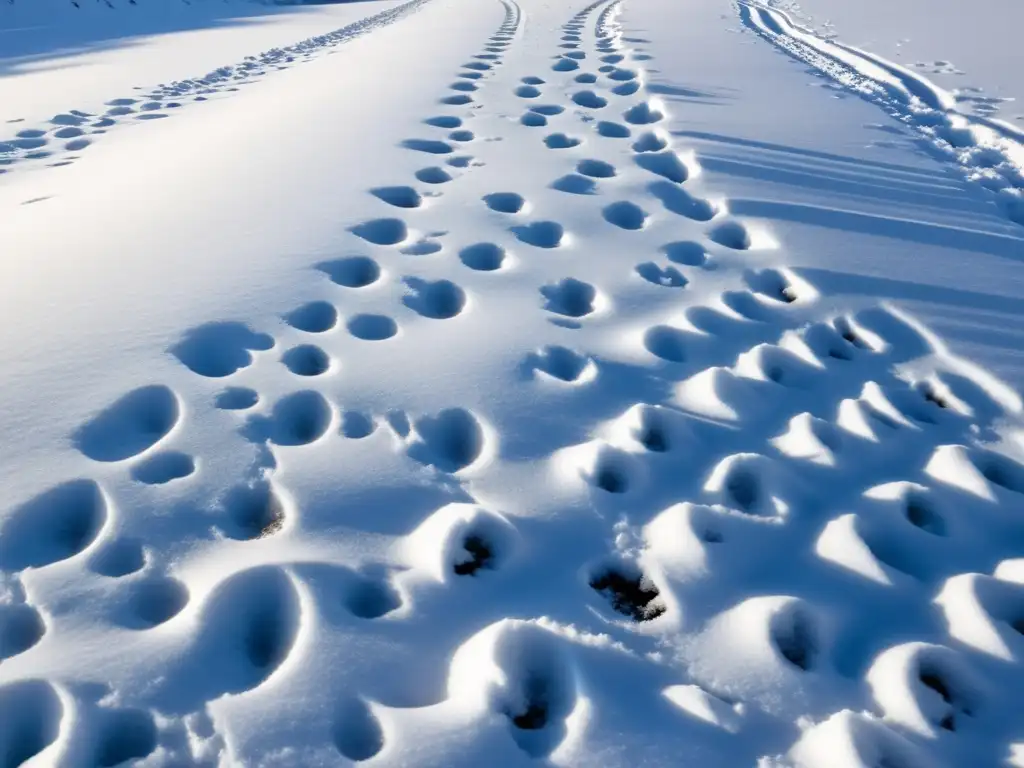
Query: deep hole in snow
744	488
794	637
920	512
130	735
634	596
481	555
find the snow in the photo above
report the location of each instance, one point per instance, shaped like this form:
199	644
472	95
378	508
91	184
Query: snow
459	383
969	53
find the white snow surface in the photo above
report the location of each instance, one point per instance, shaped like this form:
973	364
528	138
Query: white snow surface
502	382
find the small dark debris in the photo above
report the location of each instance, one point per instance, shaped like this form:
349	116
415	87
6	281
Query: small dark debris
936	683
534	718
481	556
635	597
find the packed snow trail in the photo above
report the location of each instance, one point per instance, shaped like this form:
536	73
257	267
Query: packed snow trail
557	459
990	151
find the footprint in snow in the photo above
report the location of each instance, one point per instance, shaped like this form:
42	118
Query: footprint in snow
220	349
130	426
570	297
561	141
541	234
352	271
314	317
505	202
438	300
589	100
483	257
370	327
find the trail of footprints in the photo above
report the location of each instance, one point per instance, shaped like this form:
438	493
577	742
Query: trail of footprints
70	132
861	460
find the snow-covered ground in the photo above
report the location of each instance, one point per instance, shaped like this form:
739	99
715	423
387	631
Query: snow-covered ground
969	50
502	382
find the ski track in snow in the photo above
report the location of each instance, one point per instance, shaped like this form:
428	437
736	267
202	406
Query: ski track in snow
74	130
788	522
989	151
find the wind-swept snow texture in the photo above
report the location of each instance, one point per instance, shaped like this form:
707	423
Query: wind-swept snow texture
514	384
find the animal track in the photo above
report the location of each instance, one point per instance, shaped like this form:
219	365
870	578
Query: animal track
250	624
666	163
589	100
439	300
570	297
53	526
596	169
400	197
644	113
483	257
236	399
666	342
382	231
669	277
296	419
21	627
314	317
541	234
561	141
125	735
731	234
630	592
155	601
253	511
677	200
574	184
220	349
352	271
795	636
451	441
611	130
130	426
461	540
357	733
650	141
530	680
625	215
685	252
444	121
372	327
164	467
527	92
433	146
32	714
505	202
563	364
306	360
433	175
